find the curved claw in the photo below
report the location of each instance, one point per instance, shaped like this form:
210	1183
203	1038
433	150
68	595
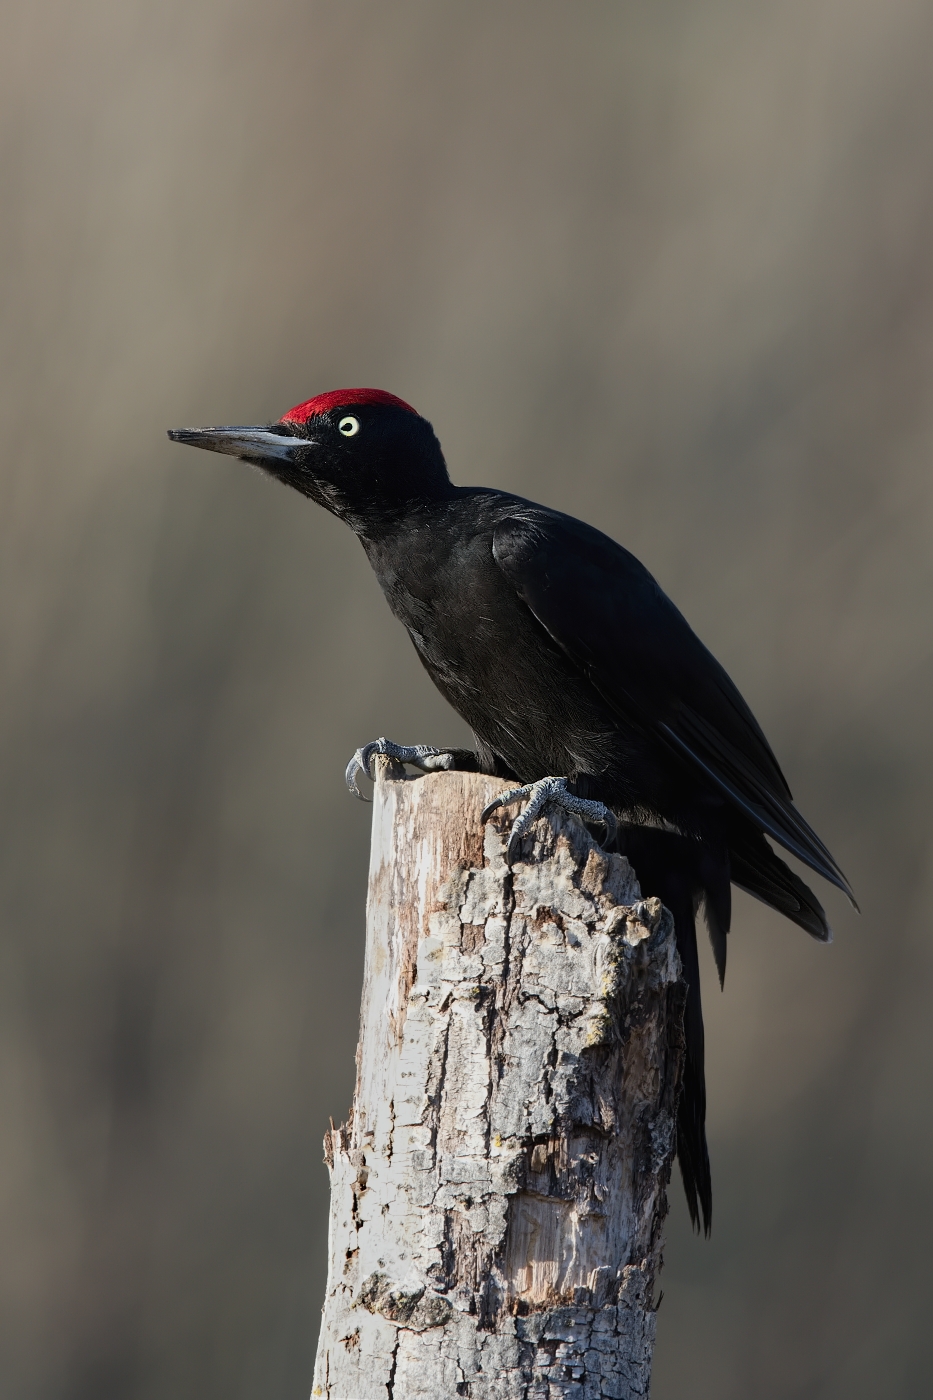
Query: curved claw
358	765
422	756
503	800
610	821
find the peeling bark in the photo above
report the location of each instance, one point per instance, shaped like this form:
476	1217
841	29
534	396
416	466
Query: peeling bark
498	1194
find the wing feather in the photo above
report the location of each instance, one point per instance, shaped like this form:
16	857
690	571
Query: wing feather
606	612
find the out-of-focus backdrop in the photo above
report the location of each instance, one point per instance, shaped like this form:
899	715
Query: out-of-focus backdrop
667	266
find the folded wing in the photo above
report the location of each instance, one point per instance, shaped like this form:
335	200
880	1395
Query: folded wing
604	609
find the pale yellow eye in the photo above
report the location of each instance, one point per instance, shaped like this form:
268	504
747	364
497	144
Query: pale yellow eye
349	426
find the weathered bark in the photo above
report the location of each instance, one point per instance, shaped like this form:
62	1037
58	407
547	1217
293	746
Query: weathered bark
499	1191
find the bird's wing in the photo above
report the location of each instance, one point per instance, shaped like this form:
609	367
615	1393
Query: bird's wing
603	608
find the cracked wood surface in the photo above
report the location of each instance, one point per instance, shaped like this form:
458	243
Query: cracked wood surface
498	1194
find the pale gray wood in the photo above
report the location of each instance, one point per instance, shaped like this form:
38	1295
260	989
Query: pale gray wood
499	1190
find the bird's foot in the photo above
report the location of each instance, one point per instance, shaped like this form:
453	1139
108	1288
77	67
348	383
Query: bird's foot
421	756
539	794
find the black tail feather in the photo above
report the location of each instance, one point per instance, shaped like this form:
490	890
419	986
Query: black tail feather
680	872
757	870
692	1153
683	873
713	879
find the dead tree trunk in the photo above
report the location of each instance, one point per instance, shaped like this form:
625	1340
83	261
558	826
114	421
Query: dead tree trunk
499	1191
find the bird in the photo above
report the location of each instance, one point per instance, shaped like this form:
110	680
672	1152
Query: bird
583	685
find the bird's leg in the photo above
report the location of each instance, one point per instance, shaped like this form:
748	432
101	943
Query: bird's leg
539	794
422	756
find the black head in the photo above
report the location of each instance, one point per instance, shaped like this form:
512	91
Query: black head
361	453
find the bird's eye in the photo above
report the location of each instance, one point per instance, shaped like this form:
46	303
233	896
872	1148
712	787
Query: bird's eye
349	426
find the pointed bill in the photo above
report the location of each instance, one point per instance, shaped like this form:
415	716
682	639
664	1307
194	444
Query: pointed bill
252	444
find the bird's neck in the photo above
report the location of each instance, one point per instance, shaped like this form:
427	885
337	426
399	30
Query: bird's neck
382	518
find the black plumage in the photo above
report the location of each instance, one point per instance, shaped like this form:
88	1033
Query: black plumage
566	658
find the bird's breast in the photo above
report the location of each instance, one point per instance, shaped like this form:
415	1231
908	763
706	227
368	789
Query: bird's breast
493	661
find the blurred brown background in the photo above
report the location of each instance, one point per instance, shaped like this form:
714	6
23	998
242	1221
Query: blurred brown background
668	266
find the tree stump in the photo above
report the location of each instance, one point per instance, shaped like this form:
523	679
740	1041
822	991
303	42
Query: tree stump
497	1196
